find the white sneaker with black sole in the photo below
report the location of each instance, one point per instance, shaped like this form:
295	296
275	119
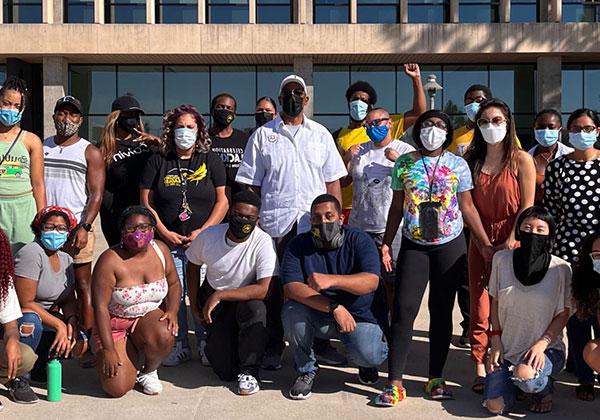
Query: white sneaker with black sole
247	384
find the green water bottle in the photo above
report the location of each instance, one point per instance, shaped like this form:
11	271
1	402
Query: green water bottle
54	385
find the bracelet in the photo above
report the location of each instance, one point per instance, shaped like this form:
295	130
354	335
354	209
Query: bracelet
547	339
491	333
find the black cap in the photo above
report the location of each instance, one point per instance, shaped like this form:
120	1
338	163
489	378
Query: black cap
68	100
126	103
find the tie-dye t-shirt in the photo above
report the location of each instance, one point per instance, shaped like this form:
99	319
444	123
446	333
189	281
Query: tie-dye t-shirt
452	176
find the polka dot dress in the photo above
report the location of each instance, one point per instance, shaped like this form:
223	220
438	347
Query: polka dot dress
572	196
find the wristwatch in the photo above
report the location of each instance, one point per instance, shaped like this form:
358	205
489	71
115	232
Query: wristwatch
332	306
87	226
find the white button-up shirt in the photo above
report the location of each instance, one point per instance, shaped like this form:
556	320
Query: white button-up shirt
291	172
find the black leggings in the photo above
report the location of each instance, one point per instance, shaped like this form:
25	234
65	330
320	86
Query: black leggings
442	266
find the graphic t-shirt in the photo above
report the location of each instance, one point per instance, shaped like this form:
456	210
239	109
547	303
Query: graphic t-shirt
413	174
15	168
163	175
231	151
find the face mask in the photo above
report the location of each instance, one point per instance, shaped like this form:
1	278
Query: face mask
582	140
137	239
358	110
432	138
546	138
471	110
493	134
53	240
223	117
9	117
327	235
532	259
66	128
378	133
185	138
262	118
241	228
292	104
129	124
596	265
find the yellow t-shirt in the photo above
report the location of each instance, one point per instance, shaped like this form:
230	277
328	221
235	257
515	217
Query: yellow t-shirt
349	137
462	139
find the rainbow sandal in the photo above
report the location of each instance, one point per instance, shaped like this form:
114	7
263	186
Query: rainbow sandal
437	390
390	397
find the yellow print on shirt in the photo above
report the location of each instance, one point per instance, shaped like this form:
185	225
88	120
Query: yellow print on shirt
175	181
199	174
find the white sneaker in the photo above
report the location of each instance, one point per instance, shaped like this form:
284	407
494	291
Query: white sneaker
178	355
150	383
202	354
247	384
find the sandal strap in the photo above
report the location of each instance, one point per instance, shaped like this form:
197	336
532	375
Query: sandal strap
434	383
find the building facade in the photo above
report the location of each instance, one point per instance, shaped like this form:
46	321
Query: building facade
532	54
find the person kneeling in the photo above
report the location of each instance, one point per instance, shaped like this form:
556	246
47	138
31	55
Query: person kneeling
129	284
329	277
240	261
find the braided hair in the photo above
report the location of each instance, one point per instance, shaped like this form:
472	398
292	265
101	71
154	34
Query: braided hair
7	267
16	84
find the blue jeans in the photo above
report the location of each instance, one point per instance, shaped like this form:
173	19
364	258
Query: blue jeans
501	383
37	336
579	333
182	316
366	345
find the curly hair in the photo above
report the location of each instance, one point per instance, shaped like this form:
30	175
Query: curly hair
203	141
16	84
7	267
362	86
586	281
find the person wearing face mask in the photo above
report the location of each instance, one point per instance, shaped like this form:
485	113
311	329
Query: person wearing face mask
136	301
329	276
184	186
227	142
45	285
504	185
22	190
530	293
266	110
240	263
288	162
432	194
547	132
125	150
571	191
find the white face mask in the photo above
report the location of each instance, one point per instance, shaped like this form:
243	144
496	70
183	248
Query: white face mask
185	138
494	134
432	138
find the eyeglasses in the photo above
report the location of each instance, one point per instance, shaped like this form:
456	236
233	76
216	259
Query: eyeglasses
496	122
585	129
440	124
48	227
144	227
595	255
376	122
297	91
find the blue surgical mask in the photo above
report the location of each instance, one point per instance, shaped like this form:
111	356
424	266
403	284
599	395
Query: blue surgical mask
9	117
185	138
546	138
471	110
378	133
53	240
358	110
583	140
596	264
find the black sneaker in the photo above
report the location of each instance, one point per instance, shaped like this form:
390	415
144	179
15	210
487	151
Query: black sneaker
38	376
302	389
368	375
21	392
326	354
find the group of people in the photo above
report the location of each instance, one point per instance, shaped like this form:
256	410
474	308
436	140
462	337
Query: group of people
292	234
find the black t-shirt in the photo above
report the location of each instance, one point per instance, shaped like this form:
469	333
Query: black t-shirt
231	151
204	172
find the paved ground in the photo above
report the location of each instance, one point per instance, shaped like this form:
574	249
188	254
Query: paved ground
193	391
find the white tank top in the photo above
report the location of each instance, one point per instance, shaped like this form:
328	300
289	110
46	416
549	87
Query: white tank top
65	173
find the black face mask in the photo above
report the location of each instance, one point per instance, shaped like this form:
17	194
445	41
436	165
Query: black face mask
292	104
262	118
532	259
129	124
223	117
241	228
327	235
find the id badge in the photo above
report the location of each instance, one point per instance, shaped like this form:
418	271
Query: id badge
429	218
185	213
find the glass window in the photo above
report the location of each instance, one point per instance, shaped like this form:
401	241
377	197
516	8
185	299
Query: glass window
591	81
187	85
79	11
478	11
332	122
383	80
523	11
2	73
227	11
239	82
428	11
572	88
95	86
268	79
330	84
273	11
22	11
331	11
177	11
580	11
378	11
126	11
404	91
145	83
455	82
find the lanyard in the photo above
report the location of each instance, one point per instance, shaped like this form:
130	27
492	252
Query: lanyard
432	179
183	181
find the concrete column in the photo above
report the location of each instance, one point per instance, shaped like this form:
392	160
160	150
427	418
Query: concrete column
98	11
56	83
251	11
201	11
48	11
1	15
548	82
555	13
454	15
504	11
150	11
303	67
353	11
404	11
308	4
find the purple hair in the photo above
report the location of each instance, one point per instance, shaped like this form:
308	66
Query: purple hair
203	141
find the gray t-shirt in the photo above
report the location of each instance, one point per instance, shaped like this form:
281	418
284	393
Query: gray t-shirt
31	262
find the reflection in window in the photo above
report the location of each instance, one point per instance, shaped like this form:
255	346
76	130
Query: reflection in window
187	85
428	11
177	11
143	82
378	11
126	11
227	11
581	82
523	11
239	82
479	11
22	11
580	11
273	11
331	11
383	80
94	86
268	79
79	11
